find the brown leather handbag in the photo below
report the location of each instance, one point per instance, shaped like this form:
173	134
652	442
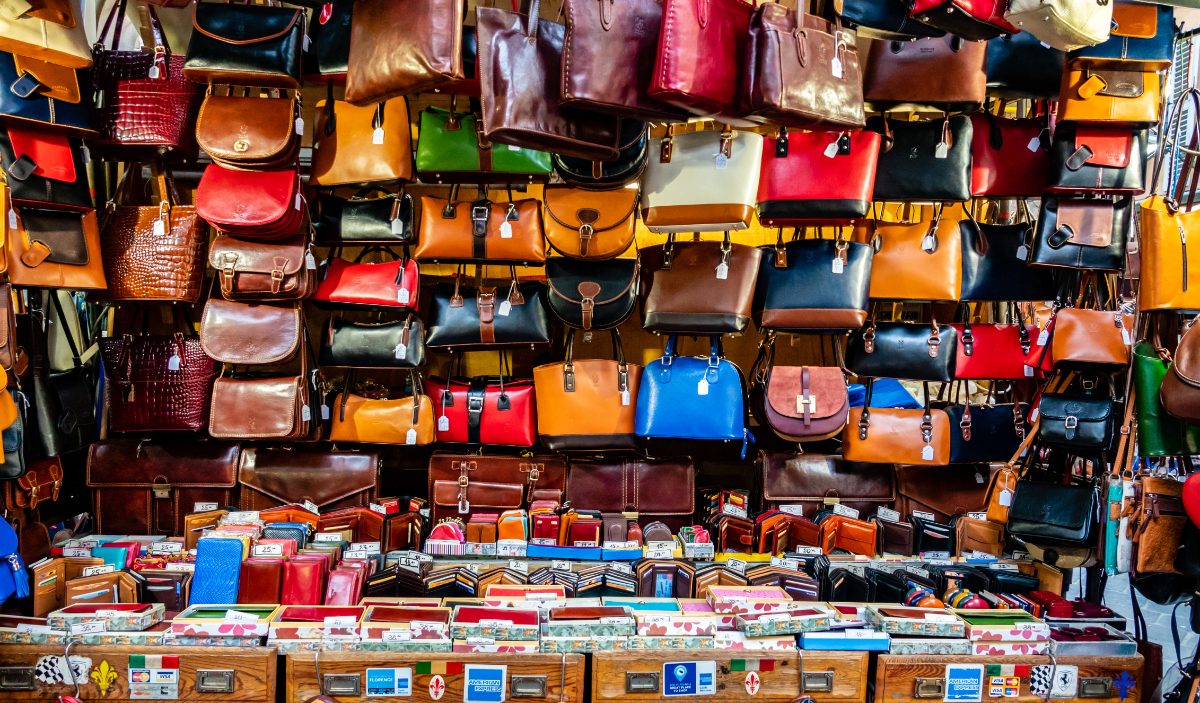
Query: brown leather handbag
55	249
1095	92
249	130
8	328
269	477
480	231
916	260
798	403
897	435
1180	390
40	483
946	71
367	415
814	481
359	146
1091	339
385	64
251	333
460	484
260	271
662	489
258	406
698	287
943	491
153	252
590	224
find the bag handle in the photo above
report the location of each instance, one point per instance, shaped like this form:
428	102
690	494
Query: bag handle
117	12
715	351
618	353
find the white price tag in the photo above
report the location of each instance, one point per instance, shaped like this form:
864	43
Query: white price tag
792	509
86	628
356	554
1034	144
1022	252
159	228
722	271
327	537
506	230
266	550
181	566
831	150
836	67
785	563
924	515
1005	498
735	510
377	136
76	552
238	616
977	516
699	550
621	567
941	151
310	506
166	547
410	437
838	265
560	565
306	414
843	509
505	309
203	507
403	296
510	548
340	621
97	570
368	547
888	514
443	424
397	635
299	126
702	387
660	553
625	397
808	551
736	565
1043	337
998	566
927	452
518	566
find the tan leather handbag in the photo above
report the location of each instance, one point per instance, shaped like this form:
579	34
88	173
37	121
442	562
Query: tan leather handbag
897	435
916	260
251	333
55	249
1095	93
946	71
370	417
249	131
361	145
480	231
1091	339
590	224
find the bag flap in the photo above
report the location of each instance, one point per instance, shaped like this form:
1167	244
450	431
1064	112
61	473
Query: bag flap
1103	146
601	209
946	489
1134	20
649	487
603	281
1064	507
246	198
480	494
136	464
261	407
245	128
250	333
52	154
1060	407
60	12
293	476
57	82
818	390
244	24
818	476
245	256
55	236
1089	224
1186	365
42	481
551	470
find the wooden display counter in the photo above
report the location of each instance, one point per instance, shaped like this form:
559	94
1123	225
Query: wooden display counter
917	679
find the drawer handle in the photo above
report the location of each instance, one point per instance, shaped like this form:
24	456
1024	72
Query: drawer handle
527	687
214	680
341	684
1095	686
16	678
641	682
817	682
926	687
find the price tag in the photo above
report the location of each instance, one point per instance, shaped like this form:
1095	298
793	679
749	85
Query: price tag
443	424
377	136
87	628
774	617
831	150
403	296
785	563
481	641
368	547
299	126
409	564
33	629
158	229
267	550
699	550
181	566
327	537
311	507
927	452
842	509
1043	337
940	617
560	565
397	635
76	552
737	510
808	551
510	548
662	544
242	517
792	509
495	622
410	437
1005	498
836	67
977	516
941	151
702	387
238	616
736	565
621	567
518	566
998	566
888	514
324	411
505	308
660	553
924	515
1022	252
166	547
339	621
625	397
356	554
97	570
838	266
615	620
935	555
376	507
722	271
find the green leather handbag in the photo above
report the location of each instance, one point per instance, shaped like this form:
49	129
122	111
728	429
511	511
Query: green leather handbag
1158	434
451	149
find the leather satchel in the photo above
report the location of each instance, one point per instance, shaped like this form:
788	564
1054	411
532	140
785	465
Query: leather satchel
698	287
147	488
157	383
943	491
986	433
383	284
814	481
389	344
452	149
627	167
1158	433
993	351
946	71
701	47
460	484
786	198
270	206
592	295
243	44
812	284
361	145
43	169
589	224
50	31
1056	523
1091	339
924	160
249	131
916	260
897	435
1085	233
1020	66
701	181
487	316
484	410
992	271
903	350
1075	423
266	406
1180	391
528	112
1092	160
1008	157
655	489
1128	94
261	271
801	71
332	480
54	249
251	333
480	231
798	403
587	404
1063	24
407	420
43	94
365	218
41	483
427	56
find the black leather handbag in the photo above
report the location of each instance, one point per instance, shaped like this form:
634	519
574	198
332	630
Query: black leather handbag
812	285
992	269
915	351
243	44
634	148
926	161
1076	422
984	433
487	317
1021	66
884	19
1082	233
1097	160
592	295
329	39
25	187
395	344
1052	514
930	536
364	219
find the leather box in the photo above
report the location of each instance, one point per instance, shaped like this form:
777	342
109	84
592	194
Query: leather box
654	489
462	483
143	488
811	479
331	480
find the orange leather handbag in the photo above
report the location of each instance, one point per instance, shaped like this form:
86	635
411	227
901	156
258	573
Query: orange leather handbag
480	231
55	249
897	435
1103	93
381	420
361	145
590	224
1091	339
916	260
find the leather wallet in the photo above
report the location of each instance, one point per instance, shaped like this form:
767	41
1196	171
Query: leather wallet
113	587
304	581
218	567
194	525
930	536
344	586
401	531
735	534
481	528
849	587
977	535
586	532
511	525
261	580
848	535
657	532
895	537
171	588
49	586
885	587
361	524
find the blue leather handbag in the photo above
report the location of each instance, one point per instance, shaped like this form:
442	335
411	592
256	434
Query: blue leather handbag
692	397
1144	34
14	579
23	100
218	569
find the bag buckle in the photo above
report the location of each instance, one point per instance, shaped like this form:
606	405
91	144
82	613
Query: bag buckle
806	404
869	340
464	505
474	404
161	491
935	344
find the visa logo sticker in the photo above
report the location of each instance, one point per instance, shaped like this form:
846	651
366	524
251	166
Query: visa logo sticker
689	678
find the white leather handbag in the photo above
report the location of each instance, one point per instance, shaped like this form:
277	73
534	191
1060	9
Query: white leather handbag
1063	24
51	32
701	181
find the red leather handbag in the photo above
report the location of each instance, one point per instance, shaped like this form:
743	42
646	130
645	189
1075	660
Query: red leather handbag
484	410
787	194
390	284
969	19
1008	157
261	205
993	351
701	47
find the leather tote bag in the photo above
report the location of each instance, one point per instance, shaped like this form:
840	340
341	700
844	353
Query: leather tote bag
50	31
249	131
627	167
589	224
915	260
1020	66
788	197
1097	160
495	410
452	149
44	169
970	19
587	404
398	343
781	83
1008	158
798	403
55	249
358	146
488	316
701	181
592	295
43	94
1180	391
1158	433
1091	339
1086	233
993	350
701	47
527	112
253	271
698	287
1063	24
945	71
884	20
692	398
243	44
903	350
251	333
153	252
379	419
810	285
370	216
924	160
384	64
994	268
1101	93
982	434
392	284
919	437
329	41
1143	34
270	205
480	230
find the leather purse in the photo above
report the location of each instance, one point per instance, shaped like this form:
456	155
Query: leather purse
329	41
798	403
1063	24
701	181
251	333
681	296
153	252
1057	523
142	488
53	249
993	351
452	149
1091	160
407	420
383	284
1085	233
655	489
1091	339
525	112
50	31
270	209
365	218
242	44
1159	433
487	316
898	435
786	198
304	582
945	71
701	46
587	404
261	580
985	433
1142	34
1097	93
145	100
924	160
43	169
942	491
389	344
1008	158
481	231
592	295
260	271
1020	66
903	350
484	410
589	224
781	83
915	260
812	284
249	131
36	97
634	153
265	406
1075	423
462	483
992	271
331	480
814	481
970	19
358	146
427	57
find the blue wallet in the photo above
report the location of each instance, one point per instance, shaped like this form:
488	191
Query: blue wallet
218	566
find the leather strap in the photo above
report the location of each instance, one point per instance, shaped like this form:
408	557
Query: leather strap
480	212
486	302
476	398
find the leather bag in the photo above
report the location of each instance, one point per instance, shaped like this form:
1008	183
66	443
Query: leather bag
814	481
1020	66
383	64
50	31
1082	233
487	316
924	160
592	295
1090	160
1076	423
992	271
265	406
462	483
1143	34
655	489
480	231
884	20
995	351
53	249
1008	158
801	71
587	404
270	206
627	167
484	410
1058	523
969	19
903	350
357	146
369	217
269	478
985	433
1091	339
946	71
384	284
42	95
452	149
64	401
1094	93
329	40
788	198
249	131
917	260
1063	24
812	285
897	435
390	344
251	333
406	420
589	224
1180	392
243	44
942	491
701	181
698	287
1158	432
260	271
701	47
142	488
43	169
798	403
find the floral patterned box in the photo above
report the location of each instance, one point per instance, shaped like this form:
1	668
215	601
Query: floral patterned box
442	644
677	624
922	645
928	622
225	620
154	637
116	617
603	621
1005	625
647	605
583	645
696	606
495	623
739	640
992	648
788	623
401	624
210	641
480	644
739	600
671	642
315	622
21	629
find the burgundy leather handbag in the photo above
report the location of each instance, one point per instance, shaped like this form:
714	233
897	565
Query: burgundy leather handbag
1009	158
257	205
389	284
701	48
788	197
798	403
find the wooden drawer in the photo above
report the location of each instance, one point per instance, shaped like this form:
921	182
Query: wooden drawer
740	676
919	679
527	677
204	674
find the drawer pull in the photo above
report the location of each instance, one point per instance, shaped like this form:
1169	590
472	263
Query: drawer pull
214	680
926	687
527	687
16	678
641	682
817	682
1095	686
341	684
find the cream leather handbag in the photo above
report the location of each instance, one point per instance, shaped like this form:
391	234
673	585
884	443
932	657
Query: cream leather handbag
52	31
701	181
1063	24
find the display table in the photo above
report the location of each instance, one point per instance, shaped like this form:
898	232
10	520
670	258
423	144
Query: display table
912	679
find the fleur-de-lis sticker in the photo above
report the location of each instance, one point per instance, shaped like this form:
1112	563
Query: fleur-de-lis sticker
104	676
1125	684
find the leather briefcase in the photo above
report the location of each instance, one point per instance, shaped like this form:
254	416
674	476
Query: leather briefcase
148	488
332	480
698	287
460	484
259	271
248	131
240	44
361	145
814	481
589	224
661	489
946	71
943	491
